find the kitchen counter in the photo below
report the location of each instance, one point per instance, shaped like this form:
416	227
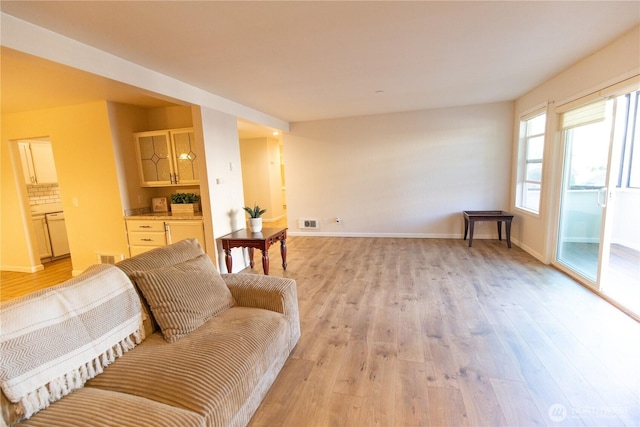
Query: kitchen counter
45	208
165	215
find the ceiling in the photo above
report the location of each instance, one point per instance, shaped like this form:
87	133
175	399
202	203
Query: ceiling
313	60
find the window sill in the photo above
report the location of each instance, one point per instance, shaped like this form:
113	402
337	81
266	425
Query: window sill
528	212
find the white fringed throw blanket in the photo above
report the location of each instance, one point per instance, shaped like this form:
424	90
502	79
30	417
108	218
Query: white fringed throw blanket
53	341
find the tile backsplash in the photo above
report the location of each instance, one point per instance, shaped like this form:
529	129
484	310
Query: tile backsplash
43	194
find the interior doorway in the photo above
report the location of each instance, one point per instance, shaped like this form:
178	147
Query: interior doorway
43	196
263	171
598	235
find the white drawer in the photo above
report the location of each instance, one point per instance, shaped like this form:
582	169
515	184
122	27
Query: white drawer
147	239
145	226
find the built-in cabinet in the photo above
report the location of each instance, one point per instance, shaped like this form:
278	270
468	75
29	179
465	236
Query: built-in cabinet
37	162
166	158
146	233
42	236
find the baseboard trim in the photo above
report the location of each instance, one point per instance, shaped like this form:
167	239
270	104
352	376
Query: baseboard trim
274	219
19	269
537	255
392	235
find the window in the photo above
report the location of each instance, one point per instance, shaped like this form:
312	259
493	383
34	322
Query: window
530	157
587	137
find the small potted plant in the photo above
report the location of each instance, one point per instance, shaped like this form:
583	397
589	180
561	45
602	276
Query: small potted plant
185	203
255	217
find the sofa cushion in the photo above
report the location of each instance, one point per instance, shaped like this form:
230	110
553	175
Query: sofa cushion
175	253
95	407
213	371
184	296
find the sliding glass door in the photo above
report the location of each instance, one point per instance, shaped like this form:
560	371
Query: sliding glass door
598	238
587	134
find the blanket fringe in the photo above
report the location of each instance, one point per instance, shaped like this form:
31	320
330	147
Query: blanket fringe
74	380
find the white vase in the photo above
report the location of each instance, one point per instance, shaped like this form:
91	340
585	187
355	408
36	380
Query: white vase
255	225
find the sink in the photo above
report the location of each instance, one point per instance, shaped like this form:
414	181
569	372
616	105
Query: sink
48	208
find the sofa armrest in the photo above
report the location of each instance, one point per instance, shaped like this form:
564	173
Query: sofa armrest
270	293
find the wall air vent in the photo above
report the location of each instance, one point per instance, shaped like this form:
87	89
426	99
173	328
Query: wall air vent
308	223
109	258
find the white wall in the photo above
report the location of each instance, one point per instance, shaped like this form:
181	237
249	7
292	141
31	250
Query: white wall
615	62
221	179
405	174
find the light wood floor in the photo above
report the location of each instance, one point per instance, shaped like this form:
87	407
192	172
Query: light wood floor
423	332
14	284
426	332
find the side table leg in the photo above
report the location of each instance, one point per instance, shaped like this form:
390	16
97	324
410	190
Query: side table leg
228	260
471	224
466	228
499	229
251	263
283	253
265	261
508	227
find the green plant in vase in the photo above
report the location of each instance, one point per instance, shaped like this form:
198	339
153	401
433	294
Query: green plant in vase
255	217
185	203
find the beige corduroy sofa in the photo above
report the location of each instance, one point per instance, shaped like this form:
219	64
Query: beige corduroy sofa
215	375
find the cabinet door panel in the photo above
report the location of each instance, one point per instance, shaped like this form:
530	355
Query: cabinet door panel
43	164
27	163
154	158
183	229
185	157
42	236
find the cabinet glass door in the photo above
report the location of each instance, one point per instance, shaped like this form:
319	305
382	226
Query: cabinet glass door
155	158
185	157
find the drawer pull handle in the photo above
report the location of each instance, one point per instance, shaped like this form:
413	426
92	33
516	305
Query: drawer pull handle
145	226
147	240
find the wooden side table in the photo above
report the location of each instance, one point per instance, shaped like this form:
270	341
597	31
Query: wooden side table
262	240
470	217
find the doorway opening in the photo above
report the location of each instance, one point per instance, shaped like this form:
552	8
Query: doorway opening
263	171
44	198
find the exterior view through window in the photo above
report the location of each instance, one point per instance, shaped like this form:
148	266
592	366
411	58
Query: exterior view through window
530	162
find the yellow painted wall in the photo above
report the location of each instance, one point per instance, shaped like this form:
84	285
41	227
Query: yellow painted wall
18	250
125	120
175	117
87	174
